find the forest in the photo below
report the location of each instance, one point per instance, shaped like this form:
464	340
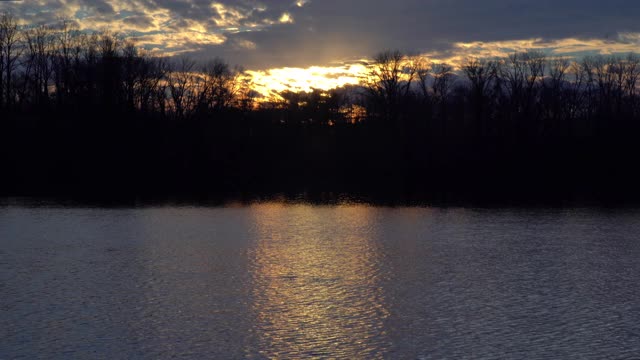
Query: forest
92	116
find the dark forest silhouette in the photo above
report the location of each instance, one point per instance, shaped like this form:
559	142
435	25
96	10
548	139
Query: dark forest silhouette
91	115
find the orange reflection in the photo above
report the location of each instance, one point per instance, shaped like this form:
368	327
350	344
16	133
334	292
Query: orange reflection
316	283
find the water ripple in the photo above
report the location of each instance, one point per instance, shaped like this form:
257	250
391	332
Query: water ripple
297	281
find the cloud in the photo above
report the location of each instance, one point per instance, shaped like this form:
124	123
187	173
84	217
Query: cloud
300	33
331	30
305	79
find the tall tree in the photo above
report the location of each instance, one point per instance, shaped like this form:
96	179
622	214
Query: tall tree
11	41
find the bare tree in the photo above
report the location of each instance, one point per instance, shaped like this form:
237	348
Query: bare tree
558	68
11	41
481	74
38	69
513	75
131	73
181	82
220	86
384	80
152	72
535	62
554	95
443	81
632	74
70	44
423	70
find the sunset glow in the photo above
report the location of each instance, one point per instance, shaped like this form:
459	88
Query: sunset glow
269	82
293	45
334	179
272	81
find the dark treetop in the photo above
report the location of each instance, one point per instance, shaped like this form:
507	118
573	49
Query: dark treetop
89	116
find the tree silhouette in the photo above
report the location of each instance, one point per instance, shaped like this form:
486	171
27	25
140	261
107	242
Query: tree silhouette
91	113
10	51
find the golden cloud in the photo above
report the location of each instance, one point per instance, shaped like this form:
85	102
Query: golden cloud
267	82
276	80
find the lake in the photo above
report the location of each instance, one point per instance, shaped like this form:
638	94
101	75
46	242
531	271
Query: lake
305	281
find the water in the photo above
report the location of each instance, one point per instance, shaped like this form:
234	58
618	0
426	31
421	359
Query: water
292	281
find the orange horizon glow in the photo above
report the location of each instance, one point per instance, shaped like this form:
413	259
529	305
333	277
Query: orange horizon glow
297	79
270	82
163	31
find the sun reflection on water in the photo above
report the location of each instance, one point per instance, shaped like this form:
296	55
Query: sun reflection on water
317	294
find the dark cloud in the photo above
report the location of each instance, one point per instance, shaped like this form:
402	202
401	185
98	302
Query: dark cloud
142	21
325	30
101	7
334	29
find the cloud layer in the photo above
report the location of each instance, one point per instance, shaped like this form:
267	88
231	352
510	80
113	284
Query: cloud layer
262	34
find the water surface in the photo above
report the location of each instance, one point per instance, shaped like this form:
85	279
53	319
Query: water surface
291	281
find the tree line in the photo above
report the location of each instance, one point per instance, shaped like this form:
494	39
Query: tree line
94	115
61	66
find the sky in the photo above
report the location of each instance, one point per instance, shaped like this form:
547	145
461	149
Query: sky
301	43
